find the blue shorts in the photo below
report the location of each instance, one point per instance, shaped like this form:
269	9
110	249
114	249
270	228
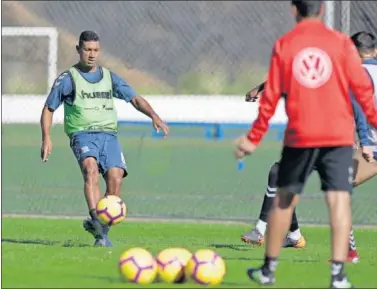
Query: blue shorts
375	155
104	147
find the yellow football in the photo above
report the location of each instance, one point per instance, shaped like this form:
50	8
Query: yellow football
137	265
206	267
111	210
171	263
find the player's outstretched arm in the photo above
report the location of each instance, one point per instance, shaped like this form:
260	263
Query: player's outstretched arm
269	99
267	106
123	90
143	106
60	91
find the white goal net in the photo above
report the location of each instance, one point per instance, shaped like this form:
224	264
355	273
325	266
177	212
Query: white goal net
29	56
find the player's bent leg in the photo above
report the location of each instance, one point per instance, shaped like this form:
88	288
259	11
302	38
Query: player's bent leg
92	195
278	226
279	220
91	182
114	169
353	255
295	166
256	235
113	165
269	197
85	147
114	179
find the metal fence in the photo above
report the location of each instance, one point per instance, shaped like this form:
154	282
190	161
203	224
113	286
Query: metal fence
189	47
205	47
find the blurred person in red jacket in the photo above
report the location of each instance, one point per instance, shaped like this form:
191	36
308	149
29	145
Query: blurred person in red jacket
365	156
313	68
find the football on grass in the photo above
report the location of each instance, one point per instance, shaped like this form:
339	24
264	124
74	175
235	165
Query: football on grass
206	268
171	264
137	265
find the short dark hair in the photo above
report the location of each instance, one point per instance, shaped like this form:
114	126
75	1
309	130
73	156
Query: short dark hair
365	42
308	8
88	36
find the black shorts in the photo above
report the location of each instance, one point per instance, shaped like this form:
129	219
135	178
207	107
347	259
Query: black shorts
333	164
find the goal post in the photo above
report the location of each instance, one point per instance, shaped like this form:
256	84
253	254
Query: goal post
346	17
330	14
52	34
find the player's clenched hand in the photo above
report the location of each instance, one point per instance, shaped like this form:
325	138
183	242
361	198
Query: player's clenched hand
243	147
367	154
158	125
46	149
252	95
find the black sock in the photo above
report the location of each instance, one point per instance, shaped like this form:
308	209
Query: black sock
269	265
337	271
268	200
93	214
294	223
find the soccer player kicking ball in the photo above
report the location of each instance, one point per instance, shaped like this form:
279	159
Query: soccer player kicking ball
87	91
314	75
365	157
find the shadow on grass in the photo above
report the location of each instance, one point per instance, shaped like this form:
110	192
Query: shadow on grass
68	243
244	248
119	280
243	259
232	247
28	242
262	260
236	285
116	280
106	279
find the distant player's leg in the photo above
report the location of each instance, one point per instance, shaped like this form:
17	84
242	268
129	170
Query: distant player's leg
353	255
335	167
278	225
256	235
85	148
364	171
114	169
295	167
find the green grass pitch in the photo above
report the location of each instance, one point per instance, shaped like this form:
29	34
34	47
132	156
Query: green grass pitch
40	253
176	178
173	178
